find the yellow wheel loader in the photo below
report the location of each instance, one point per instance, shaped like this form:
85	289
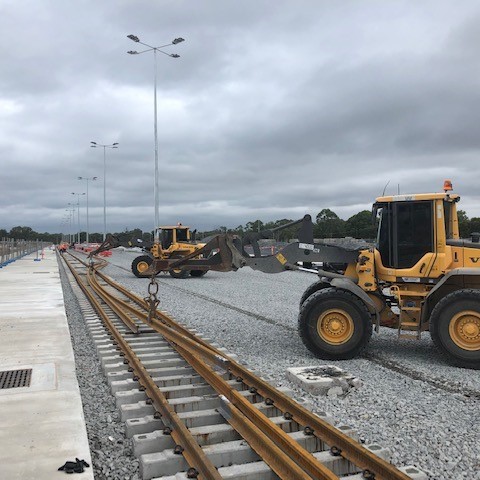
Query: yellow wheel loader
420	276
175	242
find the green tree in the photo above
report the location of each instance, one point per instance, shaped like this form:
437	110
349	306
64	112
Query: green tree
474	225
254	226
360	225
329	225
23	233
464	226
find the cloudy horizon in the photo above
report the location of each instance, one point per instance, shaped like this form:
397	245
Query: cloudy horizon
273	110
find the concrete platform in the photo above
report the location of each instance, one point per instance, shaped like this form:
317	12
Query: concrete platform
41	425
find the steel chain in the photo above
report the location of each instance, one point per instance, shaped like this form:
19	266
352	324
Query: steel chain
152	299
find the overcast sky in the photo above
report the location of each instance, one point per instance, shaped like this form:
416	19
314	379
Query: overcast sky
273	110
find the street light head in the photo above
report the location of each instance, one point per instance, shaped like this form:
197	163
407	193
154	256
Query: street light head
178	40
174	55
132	52
133	38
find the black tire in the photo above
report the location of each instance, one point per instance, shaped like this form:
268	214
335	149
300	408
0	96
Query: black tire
179	273
198	273
139	263
314	287
327	306
447	333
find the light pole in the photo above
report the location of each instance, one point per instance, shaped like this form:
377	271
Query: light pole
87	180
98	145
135	39
71	214
78	211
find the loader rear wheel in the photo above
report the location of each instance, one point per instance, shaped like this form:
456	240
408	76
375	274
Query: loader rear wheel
198	273
179	273
140	265
455	327
334	324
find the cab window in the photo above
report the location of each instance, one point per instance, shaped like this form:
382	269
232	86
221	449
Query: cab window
182	235
405	233
414	232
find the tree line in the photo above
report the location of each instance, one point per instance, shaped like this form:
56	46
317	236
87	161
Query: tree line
327	224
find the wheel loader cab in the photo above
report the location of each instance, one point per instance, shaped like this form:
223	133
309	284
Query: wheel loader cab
412	236
172	235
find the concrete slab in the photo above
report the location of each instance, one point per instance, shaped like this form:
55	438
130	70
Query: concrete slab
323	379
42	425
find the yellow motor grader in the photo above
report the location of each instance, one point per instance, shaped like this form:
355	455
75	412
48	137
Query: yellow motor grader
420	276
175	242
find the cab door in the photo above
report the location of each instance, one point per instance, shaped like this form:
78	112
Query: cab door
406	240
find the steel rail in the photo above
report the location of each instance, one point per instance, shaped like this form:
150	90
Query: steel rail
191	451
278	456
293	453
101	292
285	444
272	455
348	448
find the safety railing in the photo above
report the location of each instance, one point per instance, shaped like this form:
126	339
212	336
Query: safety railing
11	249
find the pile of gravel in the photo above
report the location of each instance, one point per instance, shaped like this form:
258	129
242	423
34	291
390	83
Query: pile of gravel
412	402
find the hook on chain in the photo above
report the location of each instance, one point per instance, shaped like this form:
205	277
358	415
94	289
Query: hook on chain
152	299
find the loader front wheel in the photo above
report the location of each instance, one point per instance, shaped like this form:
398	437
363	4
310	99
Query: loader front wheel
455	327
179	273
334	324
198	273
140	265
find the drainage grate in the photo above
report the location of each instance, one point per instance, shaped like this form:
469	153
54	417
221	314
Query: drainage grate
15	378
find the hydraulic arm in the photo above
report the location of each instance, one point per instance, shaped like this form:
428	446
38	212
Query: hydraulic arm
227	252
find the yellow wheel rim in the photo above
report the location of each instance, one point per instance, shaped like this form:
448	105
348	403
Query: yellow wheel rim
464	330
335	326
142	266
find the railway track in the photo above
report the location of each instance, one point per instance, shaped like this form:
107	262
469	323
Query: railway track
381	360
194	412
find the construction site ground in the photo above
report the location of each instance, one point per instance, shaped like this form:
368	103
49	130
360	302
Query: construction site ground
411	400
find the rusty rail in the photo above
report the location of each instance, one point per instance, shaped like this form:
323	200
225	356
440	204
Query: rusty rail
285	457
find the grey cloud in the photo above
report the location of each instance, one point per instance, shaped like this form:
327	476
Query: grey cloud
272	111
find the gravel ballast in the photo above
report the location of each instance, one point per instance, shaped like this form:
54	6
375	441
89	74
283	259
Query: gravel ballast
412	401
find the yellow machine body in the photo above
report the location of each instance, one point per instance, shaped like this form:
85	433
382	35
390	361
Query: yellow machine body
419	276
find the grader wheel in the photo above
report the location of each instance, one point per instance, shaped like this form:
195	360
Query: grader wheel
455	327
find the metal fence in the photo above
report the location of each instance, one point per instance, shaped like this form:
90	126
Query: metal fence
11	249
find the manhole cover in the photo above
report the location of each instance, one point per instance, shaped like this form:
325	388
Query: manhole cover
15	378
